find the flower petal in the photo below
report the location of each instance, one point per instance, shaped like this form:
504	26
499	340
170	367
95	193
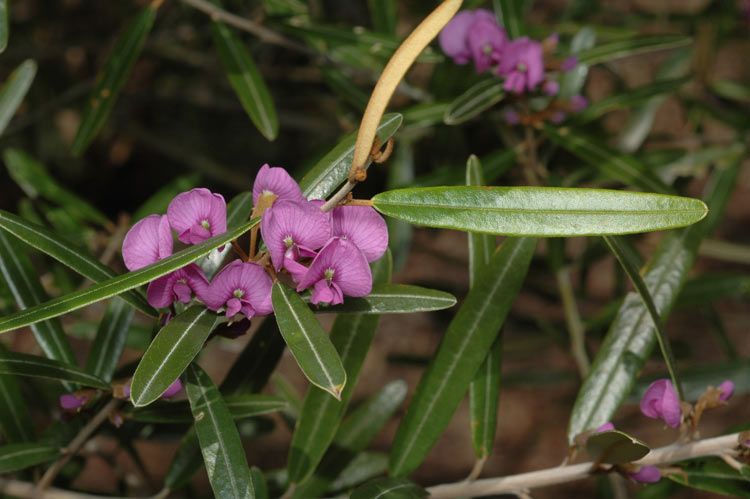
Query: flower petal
303	224
147	242
348	265
363	226
172	390
197	215
453	40
727	390
276	181
647	474
159	293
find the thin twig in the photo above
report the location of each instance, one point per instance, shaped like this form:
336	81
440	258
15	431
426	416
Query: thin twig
75	445
16	488
718	446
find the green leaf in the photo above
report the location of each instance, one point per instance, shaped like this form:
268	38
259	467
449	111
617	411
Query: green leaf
112	77
363	467
539	211
333	169
246	80
477	99
733	90
612	164
712	475
510	15
240	407
171	352
631	269
22	364
308	342
68	254
3	27
259	483
36	182
389	488
253	367
110	340
159	201
394	299
219	439
15	87
15	421
618	49
384	15
631	336
615	447
708	288
118	285
320	415
464	346
16	457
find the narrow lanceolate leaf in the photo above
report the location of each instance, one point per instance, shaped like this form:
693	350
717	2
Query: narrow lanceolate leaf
16	457
474	101
240	406
118	285
510	15
246	80
618	49
23	281
113	76
319	418
333	169
395	299
631	269
22	364
631	337
484	390
15	421
3	26
612	164
72	256
219	439
539	211
465	345
308	342
380	488
110	340
171	352
14	89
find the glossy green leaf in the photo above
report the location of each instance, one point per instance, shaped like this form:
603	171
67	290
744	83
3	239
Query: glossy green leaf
3	26
259	483
15	87
171	352
712	475
159	201
253	367
333	169
631	269
16	457
464	346
423	115
68	254
389	488
22	364
15	420
319	418
354	435
474	101
113	76
394	299
510	15
612	164
110	340
539	211
618	49
308	342
238	211
631	336
118	285
219	439
240	407
615	447
246	80
363	467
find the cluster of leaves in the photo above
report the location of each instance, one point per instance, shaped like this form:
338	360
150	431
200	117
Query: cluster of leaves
328	452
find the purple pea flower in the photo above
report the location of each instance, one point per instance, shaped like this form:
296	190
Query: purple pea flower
453	38
197	215
646	474
486	40
147	242
181	285
609	426
73	402
172	390
727	390
339	269
661	402
277	182
578	103
522	65
293	231
241	288
363	226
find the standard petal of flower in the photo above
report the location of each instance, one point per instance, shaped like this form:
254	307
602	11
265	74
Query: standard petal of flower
363	226
727	390
671	412
223	286
147	242
159	293
342	263
486	40
651	399
276	181
287	224
453	38
609	426
197	215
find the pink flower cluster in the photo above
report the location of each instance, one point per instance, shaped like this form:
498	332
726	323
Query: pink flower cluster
327	252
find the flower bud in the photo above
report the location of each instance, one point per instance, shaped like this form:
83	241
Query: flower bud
727	390
646	474
661	402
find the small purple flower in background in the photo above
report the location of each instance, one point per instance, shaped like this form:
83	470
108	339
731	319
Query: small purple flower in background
363	226
275	181
453	38
646	474
197	215
241	288
578	103
181	285
727	390
609	426
522	65
486	40
73	402
172	390
661	402
339	269
147	242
